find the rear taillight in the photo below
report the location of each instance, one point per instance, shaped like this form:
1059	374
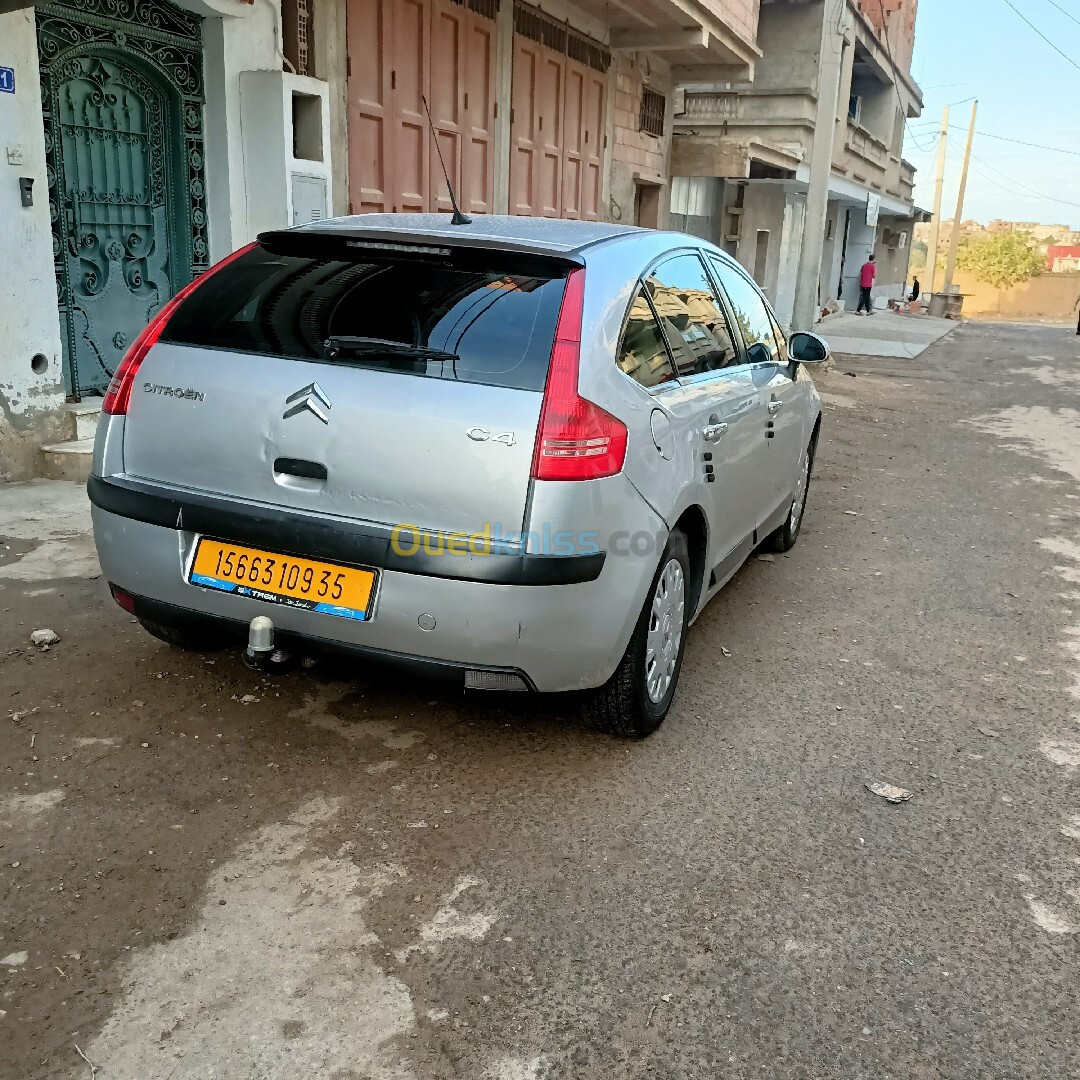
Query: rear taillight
118	396
576	439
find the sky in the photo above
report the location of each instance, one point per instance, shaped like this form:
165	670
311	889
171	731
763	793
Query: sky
1027	91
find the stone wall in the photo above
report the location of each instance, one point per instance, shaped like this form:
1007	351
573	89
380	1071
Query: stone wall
1051	296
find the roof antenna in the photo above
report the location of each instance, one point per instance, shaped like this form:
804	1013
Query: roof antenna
459	218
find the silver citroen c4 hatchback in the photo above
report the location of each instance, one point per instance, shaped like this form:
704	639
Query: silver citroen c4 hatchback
522	453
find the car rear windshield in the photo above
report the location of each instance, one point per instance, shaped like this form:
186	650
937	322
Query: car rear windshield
498	322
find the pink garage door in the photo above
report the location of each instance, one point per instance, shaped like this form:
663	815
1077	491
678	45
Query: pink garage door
400	51
556	120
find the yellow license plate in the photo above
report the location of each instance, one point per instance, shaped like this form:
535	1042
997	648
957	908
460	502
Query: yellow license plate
283	579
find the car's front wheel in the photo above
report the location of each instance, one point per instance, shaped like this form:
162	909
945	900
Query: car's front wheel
636	699
784	538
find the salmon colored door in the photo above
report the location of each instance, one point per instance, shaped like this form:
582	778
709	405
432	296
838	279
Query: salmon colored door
556	134
410	40
478	145
399	52
592	144
523	148
369	106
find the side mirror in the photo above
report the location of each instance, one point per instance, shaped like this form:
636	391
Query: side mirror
759	353
807	348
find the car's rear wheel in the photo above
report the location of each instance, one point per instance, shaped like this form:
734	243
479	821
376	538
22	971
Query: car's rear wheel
192	637
784	538
636	699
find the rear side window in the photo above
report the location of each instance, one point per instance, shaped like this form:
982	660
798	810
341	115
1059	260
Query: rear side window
498	324
643	354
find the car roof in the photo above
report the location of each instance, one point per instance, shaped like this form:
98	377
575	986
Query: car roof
531	234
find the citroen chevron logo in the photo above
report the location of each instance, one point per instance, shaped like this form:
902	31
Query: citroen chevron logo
312	398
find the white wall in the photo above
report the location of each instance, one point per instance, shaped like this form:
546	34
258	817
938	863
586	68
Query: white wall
249	42
30	403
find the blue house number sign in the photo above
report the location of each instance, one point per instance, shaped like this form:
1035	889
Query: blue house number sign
7	80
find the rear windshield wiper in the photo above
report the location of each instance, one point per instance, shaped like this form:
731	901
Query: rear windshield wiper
360	347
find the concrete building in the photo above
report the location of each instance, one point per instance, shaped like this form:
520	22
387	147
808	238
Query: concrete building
968	230
1060	234
145	139
1063	258
800	174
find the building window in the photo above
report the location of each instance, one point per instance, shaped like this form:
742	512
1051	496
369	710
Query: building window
653	107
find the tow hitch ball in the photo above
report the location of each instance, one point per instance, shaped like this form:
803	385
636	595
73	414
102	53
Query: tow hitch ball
260	654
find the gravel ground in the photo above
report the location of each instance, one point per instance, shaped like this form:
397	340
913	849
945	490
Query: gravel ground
208	874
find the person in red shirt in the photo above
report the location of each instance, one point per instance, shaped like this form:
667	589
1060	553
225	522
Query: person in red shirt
867	276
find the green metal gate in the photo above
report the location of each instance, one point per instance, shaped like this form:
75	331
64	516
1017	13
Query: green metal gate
122	96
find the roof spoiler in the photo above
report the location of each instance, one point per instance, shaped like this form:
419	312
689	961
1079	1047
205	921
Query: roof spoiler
468	252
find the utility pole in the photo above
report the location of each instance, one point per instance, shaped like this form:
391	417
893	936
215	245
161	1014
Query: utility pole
807	299
939	183
954	240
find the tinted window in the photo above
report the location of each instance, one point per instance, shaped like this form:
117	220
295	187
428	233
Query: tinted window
693	317
751	314
643	354
500	325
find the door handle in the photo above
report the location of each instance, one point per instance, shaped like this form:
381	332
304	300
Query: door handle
714	432
775	407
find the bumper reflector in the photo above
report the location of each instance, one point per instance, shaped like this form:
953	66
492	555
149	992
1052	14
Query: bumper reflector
125	600
494	680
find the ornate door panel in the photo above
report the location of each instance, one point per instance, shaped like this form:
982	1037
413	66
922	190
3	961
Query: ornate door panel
122	100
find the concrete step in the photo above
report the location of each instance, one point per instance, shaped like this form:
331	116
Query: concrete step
83	417
68	460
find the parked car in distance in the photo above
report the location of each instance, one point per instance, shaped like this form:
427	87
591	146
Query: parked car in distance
523	453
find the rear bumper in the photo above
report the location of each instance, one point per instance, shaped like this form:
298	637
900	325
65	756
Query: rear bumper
332	540
557	636
236	632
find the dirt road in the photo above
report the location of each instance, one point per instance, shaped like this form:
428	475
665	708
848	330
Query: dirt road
205	873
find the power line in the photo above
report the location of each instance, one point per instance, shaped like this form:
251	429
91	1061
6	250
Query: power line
1020	142
1064	12
1027	192
1042	35
919	145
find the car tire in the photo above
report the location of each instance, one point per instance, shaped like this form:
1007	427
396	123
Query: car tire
630	702
784	538
190	638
